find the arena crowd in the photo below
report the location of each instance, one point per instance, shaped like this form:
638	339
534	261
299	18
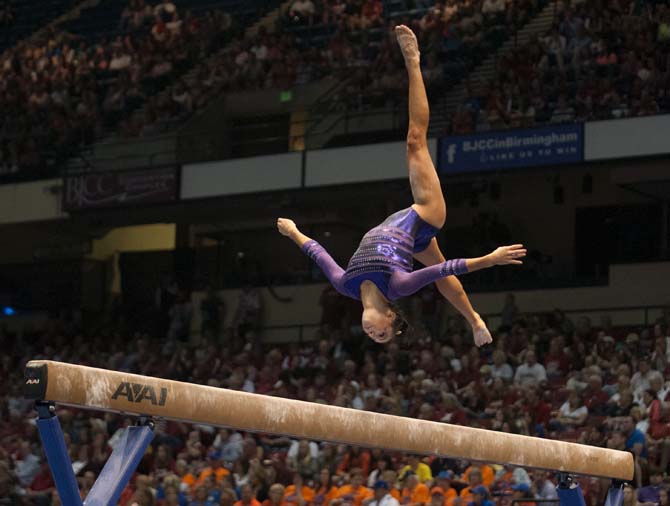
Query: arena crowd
544	375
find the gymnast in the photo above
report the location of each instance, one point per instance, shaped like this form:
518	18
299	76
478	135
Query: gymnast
380	271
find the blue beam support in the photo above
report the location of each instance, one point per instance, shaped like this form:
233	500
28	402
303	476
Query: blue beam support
57	455
615	494
120	466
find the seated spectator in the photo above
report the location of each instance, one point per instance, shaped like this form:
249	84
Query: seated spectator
443	482
474	480
304	458
247	496
500	368
650	494
325	490
487	474
215	468
298	494
414	493
563	112
353	494
530	372
595	398
440	497
371	13
522	494
355	458
275	495
382	495
573	413
302	11
480	497
383	464
421	470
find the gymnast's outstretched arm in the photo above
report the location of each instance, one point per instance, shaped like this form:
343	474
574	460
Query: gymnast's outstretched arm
315	251
407	283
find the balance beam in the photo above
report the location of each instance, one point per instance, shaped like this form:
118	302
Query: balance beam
100	389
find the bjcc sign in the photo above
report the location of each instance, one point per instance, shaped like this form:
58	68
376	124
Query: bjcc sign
123	188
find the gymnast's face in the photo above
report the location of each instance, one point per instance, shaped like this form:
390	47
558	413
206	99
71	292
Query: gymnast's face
378	325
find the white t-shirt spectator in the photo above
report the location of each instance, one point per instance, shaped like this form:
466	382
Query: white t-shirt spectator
530	375
26	469
387	500
167	7
503	371
120	62
493	6
640	382
567	412
260	51
563	114
295	446
303	7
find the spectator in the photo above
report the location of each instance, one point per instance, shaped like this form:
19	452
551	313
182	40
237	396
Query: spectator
353	494
355	458
325	491
414	493
480	497
382	495
510	311
595	397
421	470
573	413
302	11
530	372
383	464
275	495
247	497
474	480
650	495
298	494
26	464
500	368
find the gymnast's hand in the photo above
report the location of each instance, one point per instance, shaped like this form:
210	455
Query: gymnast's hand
286	227
506	255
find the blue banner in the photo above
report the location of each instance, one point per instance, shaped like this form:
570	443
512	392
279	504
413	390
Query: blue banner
550	145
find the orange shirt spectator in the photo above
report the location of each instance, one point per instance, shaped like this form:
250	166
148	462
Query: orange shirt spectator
440	497
355	458
351	495
219	472
252	502
488	475
247	497
324	494
291	497
416	495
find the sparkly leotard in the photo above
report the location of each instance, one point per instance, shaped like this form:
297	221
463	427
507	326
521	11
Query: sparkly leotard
384	257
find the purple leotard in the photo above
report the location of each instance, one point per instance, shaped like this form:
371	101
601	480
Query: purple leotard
384	257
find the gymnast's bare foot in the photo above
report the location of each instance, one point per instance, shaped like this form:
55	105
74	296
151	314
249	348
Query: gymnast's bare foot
408	44
481	333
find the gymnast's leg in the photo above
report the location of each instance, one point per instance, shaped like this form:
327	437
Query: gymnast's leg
426	189
452	290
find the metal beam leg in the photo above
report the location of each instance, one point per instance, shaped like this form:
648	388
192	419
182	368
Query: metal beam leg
569	491
57	455
120	466
615	494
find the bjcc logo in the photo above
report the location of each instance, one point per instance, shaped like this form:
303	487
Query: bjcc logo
136	392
